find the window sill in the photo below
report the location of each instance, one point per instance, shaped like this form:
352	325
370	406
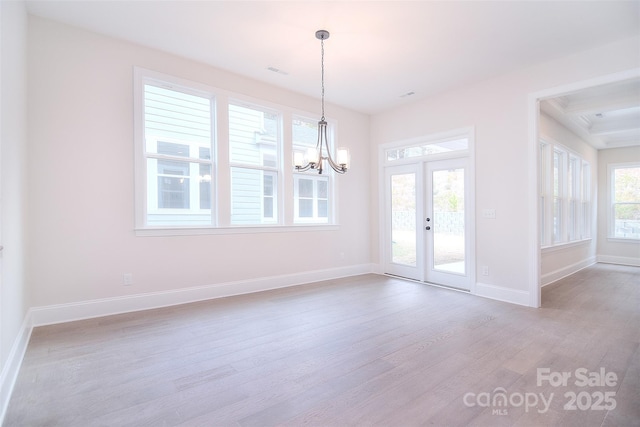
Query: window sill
622	240
198	231
563	246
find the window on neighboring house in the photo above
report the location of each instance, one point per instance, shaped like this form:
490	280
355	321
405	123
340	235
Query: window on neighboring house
312	191
178	145
624	214
565	200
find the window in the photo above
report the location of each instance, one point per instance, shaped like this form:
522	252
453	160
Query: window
311	191
429	148
558	195
177	149
573	198
194	173
624	213
585	211
543	186
254	150
565	195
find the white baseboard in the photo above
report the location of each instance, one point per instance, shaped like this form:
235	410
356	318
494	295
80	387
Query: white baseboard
11	368
609	259
553	276
61	313
499	293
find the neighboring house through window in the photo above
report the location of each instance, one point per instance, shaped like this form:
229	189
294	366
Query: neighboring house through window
177	149
254	150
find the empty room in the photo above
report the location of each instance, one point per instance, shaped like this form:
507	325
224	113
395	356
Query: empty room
328	213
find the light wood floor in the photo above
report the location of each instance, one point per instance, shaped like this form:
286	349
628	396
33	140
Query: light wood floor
368	350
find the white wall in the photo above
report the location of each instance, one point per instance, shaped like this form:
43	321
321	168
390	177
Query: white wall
499	110
560	261
614	251
82	195
13	142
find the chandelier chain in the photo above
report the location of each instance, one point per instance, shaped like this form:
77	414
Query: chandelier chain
322	72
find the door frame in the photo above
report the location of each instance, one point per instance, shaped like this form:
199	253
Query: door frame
384	208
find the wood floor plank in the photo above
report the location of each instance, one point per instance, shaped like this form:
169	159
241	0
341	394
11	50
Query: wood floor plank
364	350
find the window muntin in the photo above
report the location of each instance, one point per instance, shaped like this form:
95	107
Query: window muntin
178	144
624	215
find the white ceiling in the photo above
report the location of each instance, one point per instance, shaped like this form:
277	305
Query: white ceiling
606	116
378	50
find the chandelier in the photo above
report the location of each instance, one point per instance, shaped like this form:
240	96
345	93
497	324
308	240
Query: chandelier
315	158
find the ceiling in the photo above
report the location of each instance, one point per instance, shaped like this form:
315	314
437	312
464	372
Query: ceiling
606	116
381	54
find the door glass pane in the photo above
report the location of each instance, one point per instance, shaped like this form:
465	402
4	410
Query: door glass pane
403	219
448	221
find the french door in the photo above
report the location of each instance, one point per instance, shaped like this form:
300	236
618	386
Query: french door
403	220
428	218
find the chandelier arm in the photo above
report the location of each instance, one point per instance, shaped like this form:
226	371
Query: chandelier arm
336	167
303	168
329	157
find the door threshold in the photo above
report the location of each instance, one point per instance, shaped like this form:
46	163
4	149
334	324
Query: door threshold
437	285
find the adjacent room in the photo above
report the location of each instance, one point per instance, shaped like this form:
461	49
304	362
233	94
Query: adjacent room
319	213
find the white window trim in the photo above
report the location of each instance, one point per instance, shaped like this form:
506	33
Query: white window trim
221	166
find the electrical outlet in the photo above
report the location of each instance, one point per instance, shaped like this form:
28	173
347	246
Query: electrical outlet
485	270
127	279
489	213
